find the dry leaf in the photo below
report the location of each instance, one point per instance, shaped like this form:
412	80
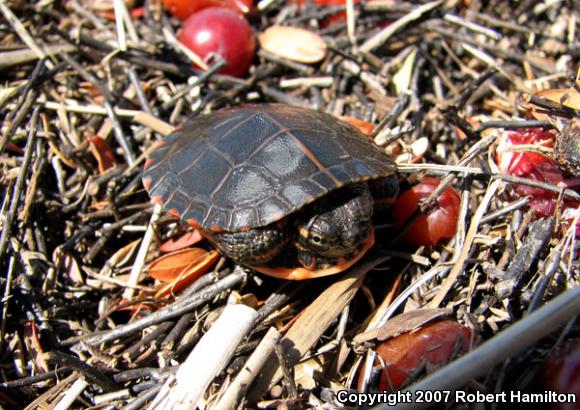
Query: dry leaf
170	266
102	153
69	265
293	43
197	267
123	256
363	126
105	5
402	78
34	347
186	240
405	322
567	97
473	122
419	148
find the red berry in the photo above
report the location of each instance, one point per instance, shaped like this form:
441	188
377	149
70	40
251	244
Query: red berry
439	223
335	18
560	372
432	346
523	163
182	9
217	31
326	2
532	165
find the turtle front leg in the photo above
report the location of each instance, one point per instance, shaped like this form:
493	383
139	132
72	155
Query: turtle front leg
256	246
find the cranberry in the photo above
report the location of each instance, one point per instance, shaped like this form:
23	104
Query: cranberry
560	372
535	166
217	31
438	224
182	9
432	346
326	2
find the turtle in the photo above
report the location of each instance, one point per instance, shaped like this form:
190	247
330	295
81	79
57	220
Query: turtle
285	190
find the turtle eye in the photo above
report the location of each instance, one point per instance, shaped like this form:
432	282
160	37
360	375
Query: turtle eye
317	234
317	240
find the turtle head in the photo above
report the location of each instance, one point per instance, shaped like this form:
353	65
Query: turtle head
335	227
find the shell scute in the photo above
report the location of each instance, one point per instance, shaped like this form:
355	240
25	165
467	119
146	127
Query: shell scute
251	166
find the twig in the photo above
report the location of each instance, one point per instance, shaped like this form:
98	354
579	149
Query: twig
492	216
24	168
172	311
139	263
460	261
286	291
18	57
140	402
27	381
540	232
91	373
511	55
117	130
322	82
71	394
19	117
249	372
23	34
570	193
139	90
517	124
293	65
468	91
494	35
193	57
52	393
202	78
382	36
388	121
137	116
208	358
287	373
6	297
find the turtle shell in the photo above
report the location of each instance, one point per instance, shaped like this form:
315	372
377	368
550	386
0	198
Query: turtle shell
250	166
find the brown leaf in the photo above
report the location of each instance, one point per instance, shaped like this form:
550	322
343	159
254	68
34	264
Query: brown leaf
33	346
102	153
405	322
105	5
69	265
363	126
186	240
123	255
170	266
568	97
190	274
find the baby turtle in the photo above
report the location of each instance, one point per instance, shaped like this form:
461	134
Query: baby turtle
287	191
